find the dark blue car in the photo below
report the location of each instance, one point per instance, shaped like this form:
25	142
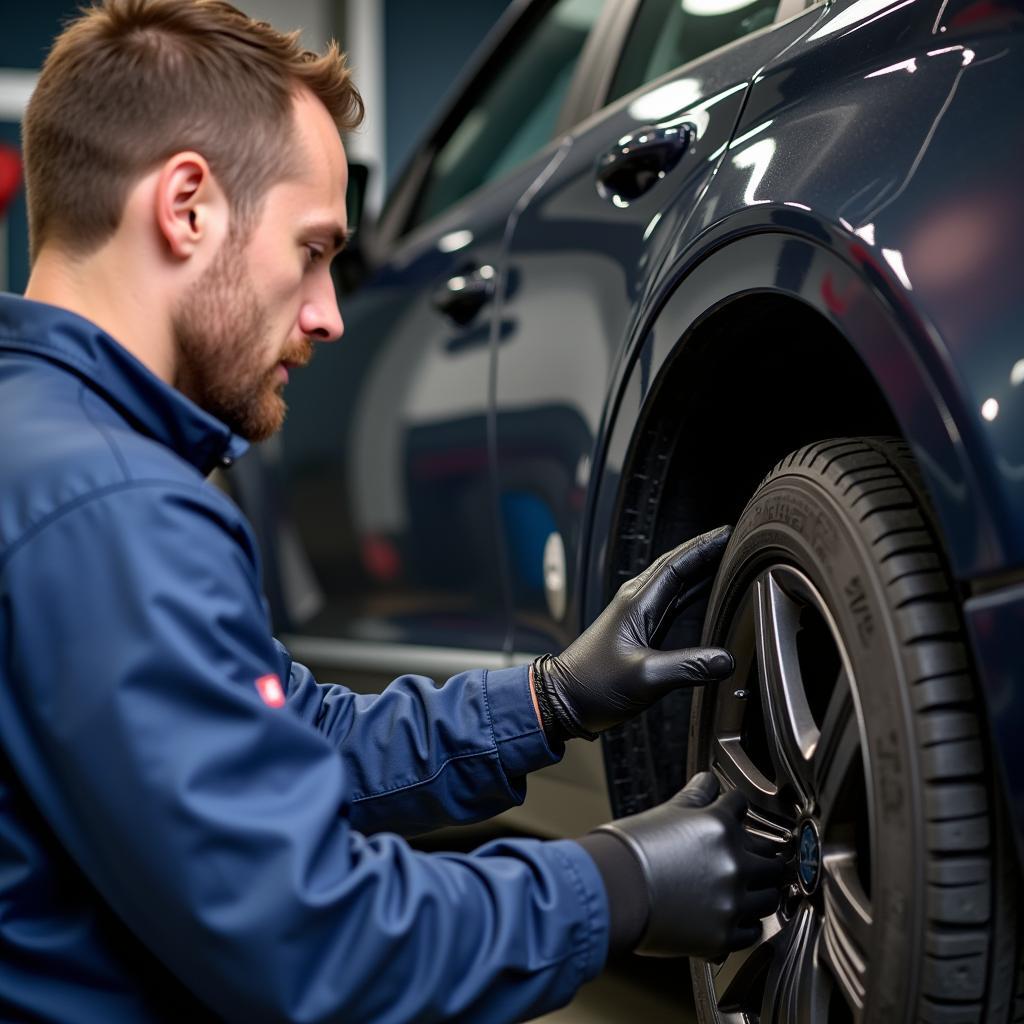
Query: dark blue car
664	264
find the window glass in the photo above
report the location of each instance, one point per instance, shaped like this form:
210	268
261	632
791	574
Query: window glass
668	33
516	112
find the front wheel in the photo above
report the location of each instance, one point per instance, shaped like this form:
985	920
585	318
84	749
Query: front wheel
853	726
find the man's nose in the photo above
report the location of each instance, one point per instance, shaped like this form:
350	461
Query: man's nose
320	317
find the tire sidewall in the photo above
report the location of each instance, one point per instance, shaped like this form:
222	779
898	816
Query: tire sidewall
794	520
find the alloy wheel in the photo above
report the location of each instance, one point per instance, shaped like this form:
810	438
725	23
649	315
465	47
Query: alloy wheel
789	734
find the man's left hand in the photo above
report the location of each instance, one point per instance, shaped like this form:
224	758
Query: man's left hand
612	671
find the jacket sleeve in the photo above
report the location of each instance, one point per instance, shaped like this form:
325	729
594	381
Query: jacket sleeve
417	756
219	826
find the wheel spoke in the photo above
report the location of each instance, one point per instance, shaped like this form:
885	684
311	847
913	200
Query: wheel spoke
847	928
769	812
838	747
814	987
792	732
796	991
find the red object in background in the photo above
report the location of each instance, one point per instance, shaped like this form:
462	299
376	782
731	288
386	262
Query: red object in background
381	558
10	176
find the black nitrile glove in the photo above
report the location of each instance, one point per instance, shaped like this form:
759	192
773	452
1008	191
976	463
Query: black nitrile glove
709	881
611	673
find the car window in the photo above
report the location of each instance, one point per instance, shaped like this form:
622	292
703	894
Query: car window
516	112
667	33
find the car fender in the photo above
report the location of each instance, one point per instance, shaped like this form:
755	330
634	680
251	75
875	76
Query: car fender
910	250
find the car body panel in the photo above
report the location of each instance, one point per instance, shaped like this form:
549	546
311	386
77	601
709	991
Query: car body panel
575	270
996	624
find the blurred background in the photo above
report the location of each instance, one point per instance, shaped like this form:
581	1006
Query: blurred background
406	56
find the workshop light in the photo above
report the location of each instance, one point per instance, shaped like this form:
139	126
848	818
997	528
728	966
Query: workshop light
454	241
990	409
709	8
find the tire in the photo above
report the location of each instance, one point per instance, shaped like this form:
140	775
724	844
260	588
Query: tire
854	726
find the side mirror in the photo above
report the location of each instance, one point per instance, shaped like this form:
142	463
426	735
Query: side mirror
351	267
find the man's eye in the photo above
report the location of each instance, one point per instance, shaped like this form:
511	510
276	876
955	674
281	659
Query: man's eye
313	254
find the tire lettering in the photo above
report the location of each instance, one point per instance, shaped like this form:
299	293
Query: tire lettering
779	509
887	755
857	603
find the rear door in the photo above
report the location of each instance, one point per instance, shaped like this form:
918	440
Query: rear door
582	255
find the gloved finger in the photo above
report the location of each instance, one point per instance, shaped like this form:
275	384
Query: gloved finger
734	804
692	666
642	577
684	566
699	791
763	872
759	904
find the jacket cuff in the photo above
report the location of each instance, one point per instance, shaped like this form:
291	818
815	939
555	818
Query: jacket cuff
520	741
592	949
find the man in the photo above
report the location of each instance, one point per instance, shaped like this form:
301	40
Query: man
190	827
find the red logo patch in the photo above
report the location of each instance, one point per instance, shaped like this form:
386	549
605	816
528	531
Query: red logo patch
270	689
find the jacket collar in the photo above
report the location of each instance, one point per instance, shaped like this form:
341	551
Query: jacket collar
151	406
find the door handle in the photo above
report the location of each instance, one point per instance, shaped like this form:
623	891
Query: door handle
461	297
638	161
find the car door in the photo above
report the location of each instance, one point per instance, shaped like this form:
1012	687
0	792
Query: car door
581	257
378	517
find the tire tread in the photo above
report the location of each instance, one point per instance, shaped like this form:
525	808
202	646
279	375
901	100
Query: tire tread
878	482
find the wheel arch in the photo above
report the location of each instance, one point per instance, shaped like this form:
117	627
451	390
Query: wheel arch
688	435
776	315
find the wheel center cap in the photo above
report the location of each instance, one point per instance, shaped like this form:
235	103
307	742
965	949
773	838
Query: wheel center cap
808	865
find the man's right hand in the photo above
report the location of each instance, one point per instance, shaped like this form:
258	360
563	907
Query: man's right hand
709	881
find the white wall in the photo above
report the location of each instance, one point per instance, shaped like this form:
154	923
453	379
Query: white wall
365	45
313	17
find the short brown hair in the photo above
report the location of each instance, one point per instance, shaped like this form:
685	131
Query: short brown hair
131	82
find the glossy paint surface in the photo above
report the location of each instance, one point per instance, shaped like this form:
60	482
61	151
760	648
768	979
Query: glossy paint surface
578	267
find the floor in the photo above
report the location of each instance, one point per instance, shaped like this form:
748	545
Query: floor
634	989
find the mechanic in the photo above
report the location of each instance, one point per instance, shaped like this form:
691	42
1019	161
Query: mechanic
191	827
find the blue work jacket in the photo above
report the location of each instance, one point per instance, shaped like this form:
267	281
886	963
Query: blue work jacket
192	828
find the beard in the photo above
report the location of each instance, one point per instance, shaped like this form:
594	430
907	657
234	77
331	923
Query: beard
222	333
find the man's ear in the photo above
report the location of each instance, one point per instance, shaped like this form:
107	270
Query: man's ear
191	209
